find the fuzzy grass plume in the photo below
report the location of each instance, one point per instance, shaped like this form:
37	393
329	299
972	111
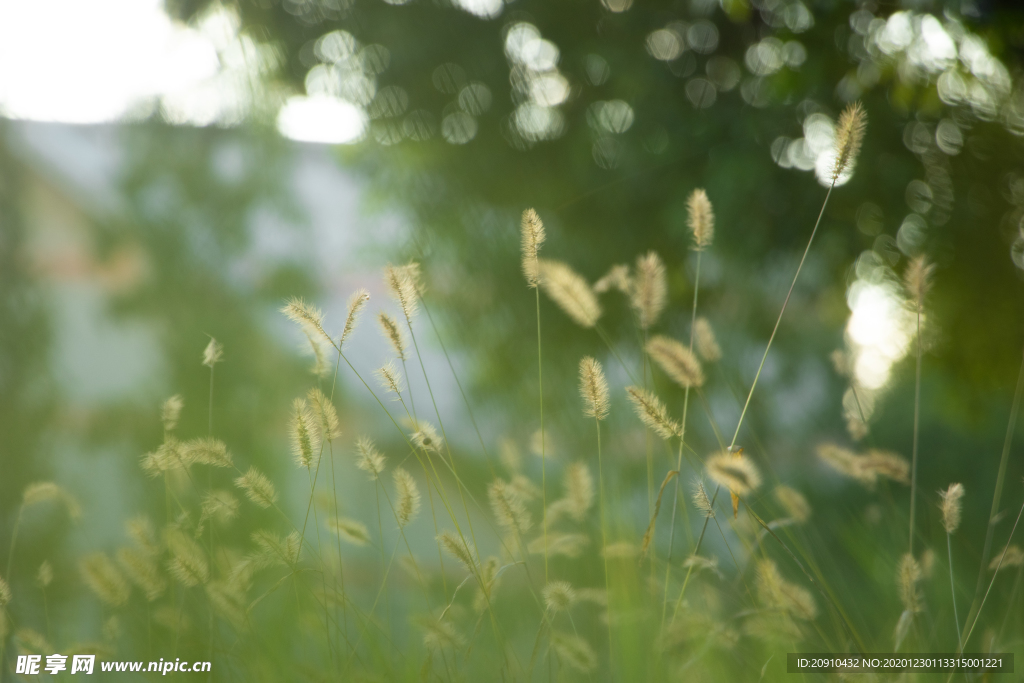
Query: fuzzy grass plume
650	290
408	505
652	412
734	471
917	279
368	458
704	339
393	334
701	219
570	291
951	506
356	302
305	437
849	136
213	353
257	488
593	388
678	362
532	234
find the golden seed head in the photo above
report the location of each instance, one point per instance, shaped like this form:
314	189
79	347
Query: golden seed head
707	344
579	490
508	507
213	353
369	458
701	219
393	333
616	278
390	379
5	592
652	412
574	651
559	596
188	562
650	290
355	304
425	436
308	317
918	280
305	436
408	505
142	570
324	414
593	388
734	471
908	575
456	546
257	487
849	136
532	237
404	286
777	593
104	578
701	501
206	451
793	502
171	411
570	292
1010	556
951	506
678	362
350	530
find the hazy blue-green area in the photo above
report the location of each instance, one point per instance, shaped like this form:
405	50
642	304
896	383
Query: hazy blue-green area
125	247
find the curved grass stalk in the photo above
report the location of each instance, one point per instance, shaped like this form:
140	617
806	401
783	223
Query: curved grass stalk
977	614
757	376
917	415
998	492
682	440
543	453
952	587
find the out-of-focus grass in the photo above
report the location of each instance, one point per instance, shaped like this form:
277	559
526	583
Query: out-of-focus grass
522	555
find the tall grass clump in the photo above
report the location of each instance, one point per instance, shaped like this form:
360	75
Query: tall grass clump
379	544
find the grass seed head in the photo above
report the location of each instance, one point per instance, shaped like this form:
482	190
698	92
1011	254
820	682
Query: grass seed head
213	353
701	219
393	334
593	388
917	279
734	471
324	414
404	286
652	412
678	362
559	596
408	504
707	344
849	136
356	302
570	291
650	291
259	489
532	233
308	317
368	458
305	435
104	579
456	546
171	412
951	506
390	379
